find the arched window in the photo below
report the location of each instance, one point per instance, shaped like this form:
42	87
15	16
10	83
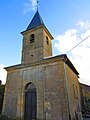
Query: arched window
32	38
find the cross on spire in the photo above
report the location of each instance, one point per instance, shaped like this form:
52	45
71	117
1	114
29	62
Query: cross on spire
37	4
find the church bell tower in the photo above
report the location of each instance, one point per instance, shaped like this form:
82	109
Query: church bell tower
37	41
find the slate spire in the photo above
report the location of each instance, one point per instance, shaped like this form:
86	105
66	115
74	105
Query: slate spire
36	21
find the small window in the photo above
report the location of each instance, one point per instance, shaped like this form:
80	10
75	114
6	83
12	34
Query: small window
74	92
31	38
77	91
47	41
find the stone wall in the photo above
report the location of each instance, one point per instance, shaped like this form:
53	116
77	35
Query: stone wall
85	99
1	96
54	86
72	86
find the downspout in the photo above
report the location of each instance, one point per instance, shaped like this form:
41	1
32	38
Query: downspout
65	77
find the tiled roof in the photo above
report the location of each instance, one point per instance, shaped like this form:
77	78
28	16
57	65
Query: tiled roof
36	21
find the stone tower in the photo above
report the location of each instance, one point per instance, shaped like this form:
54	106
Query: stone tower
36	41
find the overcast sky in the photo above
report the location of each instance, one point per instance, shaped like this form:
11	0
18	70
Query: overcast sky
67	20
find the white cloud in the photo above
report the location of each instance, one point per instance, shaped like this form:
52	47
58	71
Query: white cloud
83	24
34	2
66	41
80	55
3	74
30	5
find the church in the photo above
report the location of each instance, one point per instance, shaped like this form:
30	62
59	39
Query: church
42	87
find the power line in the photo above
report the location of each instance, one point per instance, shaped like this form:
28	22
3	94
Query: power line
78	44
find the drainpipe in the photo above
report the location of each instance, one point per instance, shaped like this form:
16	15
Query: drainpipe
65	77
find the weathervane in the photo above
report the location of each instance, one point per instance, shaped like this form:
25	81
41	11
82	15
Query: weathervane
37	4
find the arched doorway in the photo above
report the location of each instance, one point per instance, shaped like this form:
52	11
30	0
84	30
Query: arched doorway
30	102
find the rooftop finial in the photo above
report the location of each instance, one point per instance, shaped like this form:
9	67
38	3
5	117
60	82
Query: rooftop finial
37	4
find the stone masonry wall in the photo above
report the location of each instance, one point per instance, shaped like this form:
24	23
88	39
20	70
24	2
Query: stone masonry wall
74	93
49	79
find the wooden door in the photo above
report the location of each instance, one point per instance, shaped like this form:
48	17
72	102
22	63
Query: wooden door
30	104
